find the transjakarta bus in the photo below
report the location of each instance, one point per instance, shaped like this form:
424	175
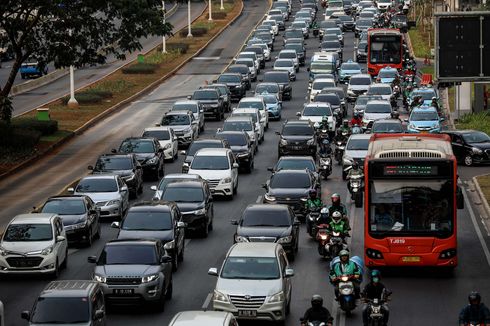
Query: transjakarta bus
385	48
411	200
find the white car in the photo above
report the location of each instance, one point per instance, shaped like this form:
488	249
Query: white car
315	112
251	67
290	54
384	4
319	84
376	110
255	115
267	51
195	107
203	318
256	102
273	23
250	55
219	167
286	65
384	90
167	139
108	191
358	85
34	244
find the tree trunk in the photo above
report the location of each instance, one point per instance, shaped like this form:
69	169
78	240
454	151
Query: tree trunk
6	108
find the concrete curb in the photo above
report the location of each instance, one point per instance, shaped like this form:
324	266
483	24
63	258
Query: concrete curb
484	201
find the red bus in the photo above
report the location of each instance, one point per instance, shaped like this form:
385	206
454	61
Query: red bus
385	48
411	200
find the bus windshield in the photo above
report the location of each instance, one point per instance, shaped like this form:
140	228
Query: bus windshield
385	49
411	207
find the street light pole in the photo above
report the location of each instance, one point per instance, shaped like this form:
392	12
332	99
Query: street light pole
210	5
222	7
164	41
189	33
72	102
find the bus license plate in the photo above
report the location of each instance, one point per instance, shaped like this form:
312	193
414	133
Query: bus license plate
123	291
411	259
247	313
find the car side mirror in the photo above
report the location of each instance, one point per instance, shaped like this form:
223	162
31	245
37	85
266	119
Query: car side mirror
405	120
459	198
235	165
165	259
92	211
289	273
115	225
298	114
114	151
442	119
183	153
138	167
218	130
90	167
92	259
60	238
264	185
278	133
308	69
160	150
201	111
234	222
71	189
99	314
213	271
181	225
124	188
270	168
26	314
154	188
189	97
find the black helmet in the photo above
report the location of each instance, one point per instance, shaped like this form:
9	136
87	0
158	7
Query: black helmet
312	192
316	301
356	114
345	122
355	165
474	298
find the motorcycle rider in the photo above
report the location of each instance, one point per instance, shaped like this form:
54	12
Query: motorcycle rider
354	172
317	312
338	224
345	267
337	206
324	217
476	312
375	290
345	128
324	124
434	103
313	201
356	120
325	148
339	137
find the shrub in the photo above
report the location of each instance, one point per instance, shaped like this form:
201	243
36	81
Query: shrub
89	96
44	127
196	31
113	86
180	47
140	68
219	15
16	138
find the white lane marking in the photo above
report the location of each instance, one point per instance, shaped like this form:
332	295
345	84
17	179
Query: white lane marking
206	303
477	229
259	200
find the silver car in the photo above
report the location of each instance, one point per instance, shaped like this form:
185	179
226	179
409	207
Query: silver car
355	150
108	191
195	107
254	282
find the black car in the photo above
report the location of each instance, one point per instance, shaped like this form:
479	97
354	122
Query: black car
330	98
80	216
290	187
297	138
195	201
400	22
244	71
348	23
149	154
294	163
383	126
282	78
266	37
197	145
235	83
270	223
341	94
241	146
211	101
124	165
300	51
155	220
470	146
224	93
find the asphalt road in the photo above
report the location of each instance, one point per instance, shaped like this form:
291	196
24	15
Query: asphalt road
419	296
32	99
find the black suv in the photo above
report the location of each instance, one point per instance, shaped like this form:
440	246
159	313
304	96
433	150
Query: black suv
271	223
124	165
241	146
225	94
149	154
297	137
197	145
195	201
290	187
244	71
155	219
282	78
211	101
235	82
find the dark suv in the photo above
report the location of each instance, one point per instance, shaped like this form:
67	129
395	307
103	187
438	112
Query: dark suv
225	94
124	165
236	84
241	146
148	153
297	137
211	101
155	220
244	71
282	78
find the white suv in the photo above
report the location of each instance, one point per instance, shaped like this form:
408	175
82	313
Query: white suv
34	243
254	114
219	167
256	102
167	139
254	282
203	318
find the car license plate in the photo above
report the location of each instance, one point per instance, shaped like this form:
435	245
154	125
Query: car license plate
297	148
247	313
123	291
424	132
411	259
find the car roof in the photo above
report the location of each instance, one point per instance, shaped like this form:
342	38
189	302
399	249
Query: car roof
238	118
31	218
212	151
323	80
202	318
162	128
391	121
69	288
296	158
424	109
188	101
380	85
267	207
178	112
99	176
253	249
128	155
253	98
302	171
361	75
137	242
190	176
151	205
383	102
298	122
67	197
187	184
360	136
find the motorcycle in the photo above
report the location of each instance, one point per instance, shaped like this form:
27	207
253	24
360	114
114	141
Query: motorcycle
325	165
339	151
356	189
337	113
335	244
347	298
313	216
313	323
374	309
396	91
322	237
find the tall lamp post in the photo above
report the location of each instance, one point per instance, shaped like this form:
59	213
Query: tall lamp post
189	33
72	102
164	41
222	7
210	14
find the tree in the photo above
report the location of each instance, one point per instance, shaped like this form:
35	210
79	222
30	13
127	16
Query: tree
40	30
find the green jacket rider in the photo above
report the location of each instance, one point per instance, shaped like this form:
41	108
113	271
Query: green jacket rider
313	201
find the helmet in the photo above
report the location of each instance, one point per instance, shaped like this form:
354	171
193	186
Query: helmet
355	165
356	114
345	122
344	253
324	118
325	141
375	275
474	297
336	215
339	132
336	198
312	192
316	301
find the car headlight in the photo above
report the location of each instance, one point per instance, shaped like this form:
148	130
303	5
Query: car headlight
476	150
225	180
287	239
348	159
167	146
310	142
411	126
269	197
239	238
278	297
47	251
169	245
149	278
242	154
218	296
284	142
304	199
113	202
100	278
129	177
3	252
152	160
79	225
201	211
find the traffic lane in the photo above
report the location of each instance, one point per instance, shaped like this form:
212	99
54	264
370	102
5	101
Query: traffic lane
466	173
32	99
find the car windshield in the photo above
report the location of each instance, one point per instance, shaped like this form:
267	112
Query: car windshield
426	95
64	207
271	88
411	207
379	90
290	180
113	164
206	95
385	51
387	127
62	310
28	232
246	62
319	85
294	34
362	100
330	45
284	63
287	55
128	254
183	194
241	70
324	66
237	126
276	77
185	107
97	185
295	130
388	73
266	217
328	98
251	268
250	104
358	144
137	146
360	81
378	108
203	162
229	78
350	66
296	47
476	137
147	221
234	139
314	111
345	18
364	22
295	164
424	116
176	120
165	181
158	134
252	115
270	99
195	146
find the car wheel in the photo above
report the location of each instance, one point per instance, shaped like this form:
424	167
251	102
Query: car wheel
175	263
468	160
89	236
65	262
160	304
56	271
170	290
205	229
